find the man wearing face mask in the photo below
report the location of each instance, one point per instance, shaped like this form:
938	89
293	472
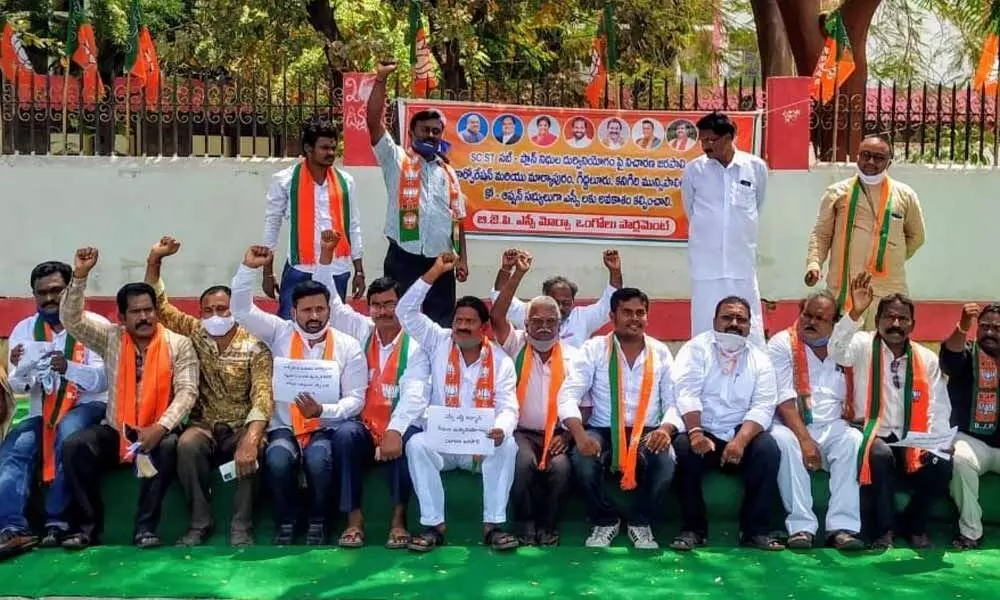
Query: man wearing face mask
426	210
577	324
542	467
394	360
327	439
152	376
313	196
67	391
813	435
234	406
866	223
972	386
898	391
726	395
466	370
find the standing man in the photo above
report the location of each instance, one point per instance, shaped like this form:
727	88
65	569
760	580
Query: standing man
723	192
898	390
325	437
391	355
467	370
152	376
813	435
229	420
67	390
972	385
313	196
426	206
866	223
726	395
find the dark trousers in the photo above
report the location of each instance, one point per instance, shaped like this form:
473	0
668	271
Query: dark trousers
90	452
888	467
199	452
653	473
400	484
759	468
406	268
536	495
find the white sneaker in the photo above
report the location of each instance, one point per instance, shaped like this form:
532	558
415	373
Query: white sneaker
642	538
602	536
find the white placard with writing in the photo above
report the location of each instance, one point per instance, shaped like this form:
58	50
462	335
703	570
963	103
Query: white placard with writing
321	378
928	441
460	430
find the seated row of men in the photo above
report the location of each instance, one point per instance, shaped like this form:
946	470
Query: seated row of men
178	395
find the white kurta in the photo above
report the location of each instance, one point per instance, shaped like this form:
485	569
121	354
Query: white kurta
574	330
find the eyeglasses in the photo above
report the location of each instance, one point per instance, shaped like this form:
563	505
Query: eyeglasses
874	156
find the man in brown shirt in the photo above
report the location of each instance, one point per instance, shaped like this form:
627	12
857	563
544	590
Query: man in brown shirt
869	222
234	406
152	384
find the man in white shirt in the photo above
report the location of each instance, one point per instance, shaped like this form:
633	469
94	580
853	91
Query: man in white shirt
541	360
906	399
812	435
67	389
627	375
578	134
326	437
577	324
467	370
391	355
313	196
726	396
723	192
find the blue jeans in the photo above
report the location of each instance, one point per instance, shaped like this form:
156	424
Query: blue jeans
20	456
291	277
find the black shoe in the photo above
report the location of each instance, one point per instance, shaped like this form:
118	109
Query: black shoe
79	541
195	537
53	538
284	536
146	539
315	535
13	543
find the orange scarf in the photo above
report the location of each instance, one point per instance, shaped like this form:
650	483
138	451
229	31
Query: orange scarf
154	391
409	200
302	214
524	364
60	401
800	374
484	385
302	426
876	259
383	384
624	457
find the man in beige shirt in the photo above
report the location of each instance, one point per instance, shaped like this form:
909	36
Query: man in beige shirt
870	222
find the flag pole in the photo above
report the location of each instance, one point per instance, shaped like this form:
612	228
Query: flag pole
836	107
65	106
128	114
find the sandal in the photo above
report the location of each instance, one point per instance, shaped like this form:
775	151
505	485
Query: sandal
687	541
802	540
548	538
428	540
399	538
146	539
499	540
965	543
351	538
763	542
845	541
78	541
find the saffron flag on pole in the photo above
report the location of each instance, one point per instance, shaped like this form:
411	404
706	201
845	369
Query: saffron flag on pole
422	61
836	62
81	48
16	66
986	73
141	60
603	56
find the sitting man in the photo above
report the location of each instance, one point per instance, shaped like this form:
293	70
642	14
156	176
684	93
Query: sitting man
326	437
152	376
898	391
578	324
972	386
542	468
234	404
628	375
467	370
812	392
67	392
726	395
390	354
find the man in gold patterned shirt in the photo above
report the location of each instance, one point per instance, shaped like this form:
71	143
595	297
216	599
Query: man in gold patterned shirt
234	404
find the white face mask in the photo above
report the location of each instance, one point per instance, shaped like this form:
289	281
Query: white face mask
871	179
542	345
730	342
311	337
217	326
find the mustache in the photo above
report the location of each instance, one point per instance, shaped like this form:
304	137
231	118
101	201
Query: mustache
990	338
733	329
464	331
314	322
895	330
143	323
809	328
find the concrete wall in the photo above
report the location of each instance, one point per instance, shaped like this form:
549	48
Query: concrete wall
51	205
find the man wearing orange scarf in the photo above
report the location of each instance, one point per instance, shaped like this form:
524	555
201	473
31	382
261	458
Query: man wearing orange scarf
393	360
898	392
627	374
466	370
152	378
67	391
322	438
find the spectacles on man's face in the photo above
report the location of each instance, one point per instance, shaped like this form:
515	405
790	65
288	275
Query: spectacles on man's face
875	157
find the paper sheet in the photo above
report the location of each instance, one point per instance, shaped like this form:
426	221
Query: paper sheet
460	430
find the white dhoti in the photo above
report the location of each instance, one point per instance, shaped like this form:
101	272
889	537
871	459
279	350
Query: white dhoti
426	464
838	444
706	293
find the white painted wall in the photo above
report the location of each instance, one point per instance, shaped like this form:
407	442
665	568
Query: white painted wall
51	205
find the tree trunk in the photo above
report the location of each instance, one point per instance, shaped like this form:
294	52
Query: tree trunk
772	40
321	18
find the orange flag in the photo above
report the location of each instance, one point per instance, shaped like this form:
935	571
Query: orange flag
836	63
